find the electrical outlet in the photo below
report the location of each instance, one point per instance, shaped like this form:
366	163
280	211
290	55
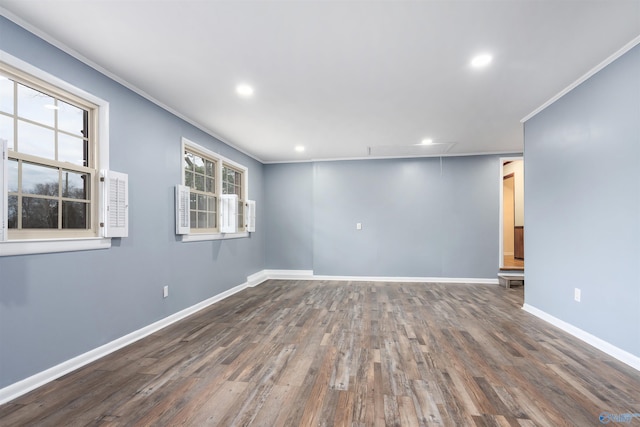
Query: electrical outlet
577	294
165	291
358	226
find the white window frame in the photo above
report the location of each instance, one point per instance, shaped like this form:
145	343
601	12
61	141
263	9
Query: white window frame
51	245
221	160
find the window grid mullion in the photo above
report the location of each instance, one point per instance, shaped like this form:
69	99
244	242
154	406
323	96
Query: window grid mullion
19	207
52	163
58	198
55	129
15	116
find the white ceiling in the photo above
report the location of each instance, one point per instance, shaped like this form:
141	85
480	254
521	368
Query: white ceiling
345	79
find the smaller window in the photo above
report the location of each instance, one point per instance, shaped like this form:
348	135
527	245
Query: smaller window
208	176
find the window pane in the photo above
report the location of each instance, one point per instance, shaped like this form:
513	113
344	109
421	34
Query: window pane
209	168
72	119
6	130
202	200
212	204
39	213
72	150
74	215
13	212
36	140
202	220
209	188
198	164
39	180
74	185
234	189
194	224
13	176
188	179
212	220
188	161
35	106
199	184
192	200
6	95
230	176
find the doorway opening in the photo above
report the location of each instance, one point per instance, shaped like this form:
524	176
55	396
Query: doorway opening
511	256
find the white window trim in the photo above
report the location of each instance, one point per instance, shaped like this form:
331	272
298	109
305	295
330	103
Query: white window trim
27	247
200	237
35	246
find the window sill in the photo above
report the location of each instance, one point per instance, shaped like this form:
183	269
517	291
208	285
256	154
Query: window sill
216	236
28	247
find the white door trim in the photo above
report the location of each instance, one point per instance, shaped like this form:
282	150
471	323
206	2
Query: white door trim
501	210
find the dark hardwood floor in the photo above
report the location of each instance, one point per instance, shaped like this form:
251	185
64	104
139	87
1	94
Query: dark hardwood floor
315	353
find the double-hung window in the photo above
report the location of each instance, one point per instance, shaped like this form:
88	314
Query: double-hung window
200	176
51	166
51	158
210	179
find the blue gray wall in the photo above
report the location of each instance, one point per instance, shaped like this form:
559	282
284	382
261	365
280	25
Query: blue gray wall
289	216
425	217
582	205
56	306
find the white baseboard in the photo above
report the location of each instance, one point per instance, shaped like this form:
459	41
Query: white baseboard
600	344
256	278
289	274
19	388
407	279
308	275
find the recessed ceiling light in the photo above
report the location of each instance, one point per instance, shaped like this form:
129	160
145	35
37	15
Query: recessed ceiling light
299	148
244	90
426	141
481	60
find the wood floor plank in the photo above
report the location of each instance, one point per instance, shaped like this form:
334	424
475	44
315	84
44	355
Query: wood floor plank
331	353
407	411
278	401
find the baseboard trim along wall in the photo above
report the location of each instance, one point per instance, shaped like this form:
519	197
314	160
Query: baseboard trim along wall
263	275
19	388
308	275
600	344
407	279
